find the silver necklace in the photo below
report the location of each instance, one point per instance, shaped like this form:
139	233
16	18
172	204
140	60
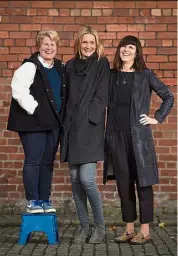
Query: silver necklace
124	78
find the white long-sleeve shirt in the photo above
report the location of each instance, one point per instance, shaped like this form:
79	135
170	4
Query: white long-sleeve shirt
22	80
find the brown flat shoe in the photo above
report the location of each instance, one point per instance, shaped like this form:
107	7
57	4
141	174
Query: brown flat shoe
140	238
125	237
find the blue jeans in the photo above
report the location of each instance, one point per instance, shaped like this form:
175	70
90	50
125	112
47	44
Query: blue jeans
40	150
84	187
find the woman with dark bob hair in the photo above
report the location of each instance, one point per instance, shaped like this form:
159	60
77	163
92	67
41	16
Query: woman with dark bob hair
129	150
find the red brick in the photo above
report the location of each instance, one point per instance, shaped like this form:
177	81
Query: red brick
19	34
166	35
107	20
53	12
83	20
63	12
84	4
156	12
148	50
30	27
71	27
96	12
58	28
172	27
145	20
116	28
19	50
164	181
133	12
121	12
6	27
107	35
136	28
20	42
109	51
168	188
168	66
156	58
85	12
42	12
173	58
63	4
30	42
167	4
7	73
107	12
103	5
169	173
64	20
167	50
146	4
66	35
156	27
66	50
124	4
42	4
166	20
21	19
4	4
99	27
9	58
167	12
145	12
42	19
4	50
147	35
31	12
20	4
167	42
126	20
75	12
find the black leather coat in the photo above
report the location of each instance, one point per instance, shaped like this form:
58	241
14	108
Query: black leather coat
143	84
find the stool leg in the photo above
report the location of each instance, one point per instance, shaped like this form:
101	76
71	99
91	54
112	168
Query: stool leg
52	237
24	237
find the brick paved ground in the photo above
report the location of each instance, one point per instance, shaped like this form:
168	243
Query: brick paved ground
163	243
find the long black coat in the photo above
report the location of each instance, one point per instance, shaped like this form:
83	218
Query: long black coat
84	121
143	84
46	115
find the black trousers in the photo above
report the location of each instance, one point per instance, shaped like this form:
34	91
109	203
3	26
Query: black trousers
125	170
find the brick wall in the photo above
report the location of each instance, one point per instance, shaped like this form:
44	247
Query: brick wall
154	22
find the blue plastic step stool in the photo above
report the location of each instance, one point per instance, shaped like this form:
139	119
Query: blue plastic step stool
42	222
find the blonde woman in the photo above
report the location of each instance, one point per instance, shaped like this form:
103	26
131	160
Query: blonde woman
36	112
83	143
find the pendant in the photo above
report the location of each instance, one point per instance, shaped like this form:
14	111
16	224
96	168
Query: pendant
124	82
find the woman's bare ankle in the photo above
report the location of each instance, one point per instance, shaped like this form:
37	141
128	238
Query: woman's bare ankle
130	227
145	229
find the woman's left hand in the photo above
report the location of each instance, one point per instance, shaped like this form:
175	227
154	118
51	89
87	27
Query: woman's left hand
147	120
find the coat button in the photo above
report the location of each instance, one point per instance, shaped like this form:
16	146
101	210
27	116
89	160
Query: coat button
76	105
71	119
52	101
64	85
47	90
80	89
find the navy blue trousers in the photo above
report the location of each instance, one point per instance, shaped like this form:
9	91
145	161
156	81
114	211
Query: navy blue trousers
40	150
